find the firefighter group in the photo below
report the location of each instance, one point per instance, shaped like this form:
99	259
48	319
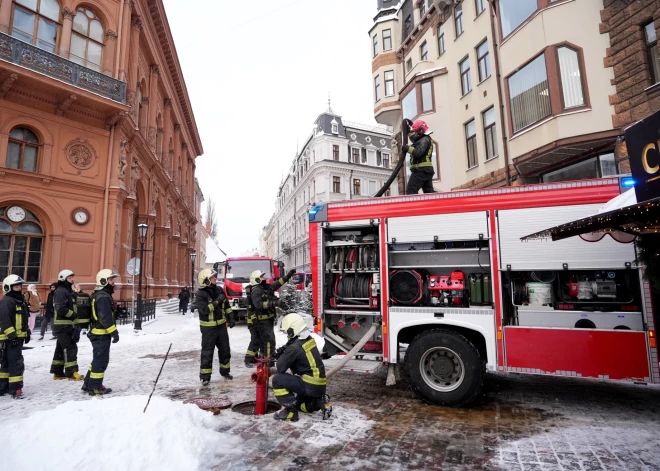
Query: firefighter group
304	389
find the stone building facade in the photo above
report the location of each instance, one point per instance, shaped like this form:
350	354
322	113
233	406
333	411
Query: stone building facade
97	135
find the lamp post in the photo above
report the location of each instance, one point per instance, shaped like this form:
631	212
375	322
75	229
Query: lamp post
142	237
193	256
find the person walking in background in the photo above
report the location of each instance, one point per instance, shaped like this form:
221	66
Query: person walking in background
48	316
184	299
33	300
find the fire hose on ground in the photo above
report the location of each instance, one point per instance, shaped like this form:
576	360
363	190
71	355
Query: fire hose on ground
354	351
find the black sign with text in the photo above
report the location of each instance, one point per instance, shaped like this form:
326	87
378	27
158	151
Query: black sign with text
643	143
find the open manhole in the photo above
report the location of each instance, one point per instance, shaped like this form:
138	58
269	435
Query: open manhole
211	404
247	408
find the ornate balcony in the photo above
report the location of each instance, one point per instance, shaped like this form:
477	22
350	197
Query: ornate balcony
30	57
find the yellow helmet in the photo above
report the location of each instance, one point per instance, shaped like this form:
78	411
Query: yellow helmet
204	277
292	325
11	280
104	275
255	277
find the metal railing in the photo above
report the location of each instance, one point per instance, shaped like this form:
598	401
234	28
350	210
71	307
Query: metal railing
26	55
126	307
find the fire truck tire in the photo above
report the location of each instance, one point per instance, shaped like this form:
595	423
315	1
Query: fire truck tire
444	368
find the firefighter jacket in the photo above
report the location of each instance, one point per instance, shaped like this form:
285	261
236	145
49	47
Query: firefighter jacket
421	152
63	305
263	298
213	307
14	315
103	312
83	308
303	358
250	307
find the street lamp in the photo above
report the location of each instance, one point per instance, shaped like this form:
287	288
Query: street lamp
142	238
193	256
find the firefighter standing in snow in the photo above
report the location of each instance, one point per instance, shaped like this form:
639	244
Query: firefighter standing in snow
14	331
253	347
102	328
303	390
65	360
264	302
421	155
214	315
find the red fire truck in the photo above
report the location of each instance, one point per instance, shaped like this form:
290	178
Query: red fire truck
452	291
235	274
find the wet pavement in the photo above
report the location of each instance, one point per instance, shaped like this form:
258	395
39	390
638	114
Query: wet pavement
519	423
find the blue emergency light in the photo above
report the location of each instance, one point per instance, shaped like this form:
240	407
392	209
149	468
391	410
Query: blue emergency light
627	182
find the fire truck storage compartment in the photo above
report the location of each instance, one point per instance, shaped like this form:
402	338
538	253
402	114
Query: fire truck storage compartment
438	227
351	280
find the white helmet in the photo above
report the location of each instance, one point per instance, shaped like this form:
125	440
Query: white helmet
11	280
292	325
204	277
104	275
64	274
255	277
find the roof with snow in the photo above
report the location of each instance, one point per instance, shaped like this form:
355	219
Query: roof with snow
213	252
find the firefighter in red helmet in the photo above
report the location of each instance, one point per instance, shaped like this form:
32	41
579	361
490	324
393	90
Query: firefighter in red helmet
421	155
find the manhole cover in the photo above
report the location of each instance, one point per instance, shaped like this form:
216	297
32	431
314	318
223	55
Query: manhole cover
212	404
247	408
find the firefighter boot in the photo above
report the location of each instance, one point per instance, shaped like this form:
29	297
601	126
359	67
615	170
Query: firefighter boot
102	391
58	377
227	376
288	414
206	382
18	394
326	409
75	377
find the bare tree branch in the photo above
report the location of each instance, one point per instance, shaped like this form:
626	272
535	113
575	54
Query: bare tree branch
212	217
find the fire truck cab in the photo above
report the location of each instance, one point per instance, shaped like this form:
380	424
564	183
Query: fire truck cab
455	292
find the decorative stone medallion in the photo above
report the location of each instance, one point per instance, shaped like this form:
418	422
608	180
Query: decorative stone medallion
80	154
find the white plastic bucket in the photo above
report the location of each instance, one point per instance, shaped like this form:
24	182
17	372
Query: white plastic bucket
539	293
585	290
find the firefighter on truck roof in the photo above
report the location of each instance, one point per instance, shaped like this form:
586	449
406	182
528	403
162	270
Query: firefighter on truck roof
421	155
214	317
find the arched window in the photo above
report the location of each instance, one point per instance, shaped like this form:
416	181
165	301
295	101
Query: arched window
36	22
21	243
23	150
87	39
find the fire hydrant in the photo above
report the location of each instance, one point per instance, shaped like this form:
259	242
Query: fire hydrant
260	378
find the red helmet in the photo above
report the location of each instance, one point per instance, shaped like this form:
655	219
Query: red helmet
419	127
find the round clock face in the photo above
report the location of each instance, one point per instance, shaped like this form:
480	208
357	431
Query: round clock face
16	213
80	216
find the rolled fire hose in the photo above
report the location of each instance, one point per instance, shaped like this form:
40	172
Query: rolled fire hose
354	351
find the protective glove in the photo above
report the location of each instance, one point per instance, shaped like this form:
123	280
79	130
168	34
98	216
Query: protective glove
405	148
408	123
115	336
273	371
27	339
76	335
231	324
290	273
11	336
215	304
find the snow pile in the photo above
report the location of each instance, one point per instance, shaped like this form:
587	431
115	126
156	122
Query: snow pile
345	423
114	434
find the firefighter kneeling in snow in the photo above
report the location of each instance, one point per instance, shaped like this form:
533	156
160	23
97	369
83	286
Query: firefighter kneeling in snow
303	390
102	328
14	315
214	316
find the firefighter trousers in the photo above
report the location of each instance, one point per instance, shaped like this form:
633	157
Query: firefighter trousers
212	338
265	333
291	391
65	360
253	347
100	359
12	366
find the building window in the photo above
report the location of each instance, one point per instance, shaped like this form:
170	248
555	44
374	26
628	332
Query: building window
490	133
379	159
87	39
409	105
571	77
335	127
471	143
375	45
408	26
466	82
408	65
23	150
479	6
422	8
356	187
377	87
386	160
427	96
335	152
21	244
364	156
529	94
356	155
514	12
441	39
389	83
652	51
595	167
36	22
424	51
458	19
483	61
387	39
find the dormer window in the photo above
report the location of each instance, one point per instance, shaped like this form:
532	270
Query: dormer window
335	126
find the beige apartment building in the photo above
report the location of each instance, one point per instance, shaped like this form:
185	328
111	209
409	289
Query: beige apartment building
514	91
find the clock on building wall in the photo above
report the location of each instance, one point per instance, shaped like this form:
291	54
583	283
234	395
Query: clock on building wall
16	214
80	216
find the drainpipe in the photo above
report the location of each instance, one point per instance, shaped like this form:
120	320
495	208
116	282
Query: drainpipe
106	195
505	147
119	50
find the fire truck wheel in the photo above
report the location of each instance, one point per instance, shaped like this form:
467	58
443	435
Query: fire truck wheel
444	368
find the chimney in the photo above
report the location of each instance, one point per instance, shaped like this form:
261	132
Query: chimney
208	227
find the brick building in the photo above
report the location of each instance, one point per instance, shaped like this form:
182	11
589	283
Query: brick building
97	135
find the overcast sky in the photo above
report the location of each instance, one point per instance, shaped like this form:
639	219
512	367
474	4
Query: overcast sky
258	74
